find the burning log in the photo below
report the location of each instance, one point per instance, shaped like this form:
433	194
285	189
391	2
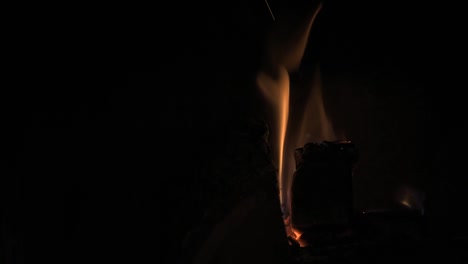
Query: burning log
322	196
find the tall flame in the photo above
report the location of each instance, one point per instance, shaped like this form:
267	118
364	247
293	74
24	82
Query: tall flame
285	48
311	124
277	93
315	124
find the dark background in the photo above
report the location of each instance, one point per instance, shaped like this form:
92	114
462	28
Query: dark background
110	166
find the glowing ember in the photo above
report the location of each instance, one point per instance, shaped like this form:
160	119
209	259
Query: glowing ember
293	233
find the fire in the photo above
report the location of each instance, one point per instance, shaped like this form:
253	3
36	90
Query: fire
315	125
411	198
406	203
285	48
311	125
277	93
293	233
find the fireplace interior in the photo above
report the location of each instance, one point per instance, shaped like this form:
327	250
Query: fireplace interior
224	144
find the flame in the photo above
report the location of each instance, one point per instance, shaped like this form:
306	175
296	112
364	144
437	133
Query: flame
312	124
406	203
309	122
285	48
315	124
411	198
293	233
277	92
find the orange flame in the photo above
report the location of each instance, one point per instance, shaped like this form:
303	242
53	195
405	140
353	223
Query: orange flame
293	233
285	51
313	125
277	92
